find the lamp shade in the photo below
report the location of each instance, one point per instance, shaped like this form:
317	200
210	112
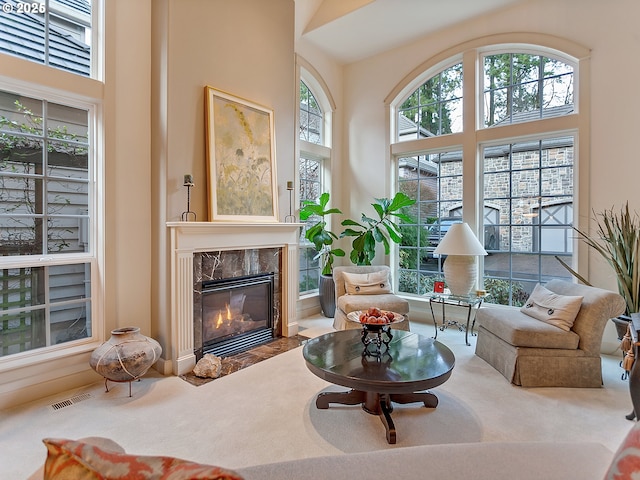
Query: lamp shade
460	240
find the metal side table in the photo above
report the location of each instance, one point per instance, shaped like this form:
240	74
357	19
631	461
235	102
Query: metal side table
470	302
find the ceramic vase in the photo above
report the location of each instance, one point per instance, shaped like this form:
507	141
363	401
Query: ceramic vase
126	356
327	295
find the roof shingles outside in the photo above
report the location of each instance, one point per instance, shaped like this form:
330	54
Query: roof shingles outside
82	6
22	35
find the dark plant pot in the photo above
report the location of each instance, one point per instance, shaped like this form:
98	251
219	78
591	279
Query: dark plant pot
621	322
327	295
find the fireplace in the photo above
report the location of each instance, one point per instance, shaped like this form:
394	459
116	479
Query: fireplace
199	253
237	314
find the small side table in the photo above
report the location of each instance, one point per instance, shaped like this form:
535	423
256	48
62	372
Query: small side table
470	302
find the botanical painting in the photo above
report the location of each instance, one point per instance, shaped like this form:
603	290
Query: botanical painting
240	159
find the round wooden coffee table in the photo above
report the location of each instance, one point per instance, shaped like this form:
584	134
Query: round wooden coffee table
399	372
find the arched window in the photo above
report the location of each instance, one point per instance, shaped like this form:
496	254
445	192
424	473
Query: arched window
313	164
501	159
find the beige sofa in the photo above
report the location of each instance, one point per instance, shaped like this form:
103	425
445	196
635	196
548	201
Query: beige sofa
532	353
478	461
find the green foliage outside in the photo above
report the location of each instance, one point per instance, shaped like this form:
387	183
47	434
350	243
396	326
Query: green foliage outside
429	106
514	81
417	283
498	292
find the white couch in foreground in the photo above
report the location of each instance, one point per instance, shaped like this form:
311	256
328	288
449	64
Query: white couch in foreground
477	461
101	458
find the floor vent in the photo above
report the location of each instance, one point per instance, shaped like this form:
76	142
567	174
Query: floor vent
69	401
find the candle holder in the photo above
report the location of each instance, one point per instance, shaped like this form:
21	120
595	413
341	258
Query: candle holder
290	218
188	182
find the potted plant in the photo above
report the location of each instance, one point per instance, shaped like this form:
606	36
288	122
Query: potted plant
372	231
618	241
322	239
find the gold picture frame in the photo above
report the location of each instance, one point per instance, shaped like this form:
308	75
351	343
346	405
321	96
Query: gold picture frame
241	167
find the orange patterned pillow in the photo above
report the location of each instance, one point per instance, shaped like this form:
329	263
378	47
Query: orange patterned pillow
73	460
626	461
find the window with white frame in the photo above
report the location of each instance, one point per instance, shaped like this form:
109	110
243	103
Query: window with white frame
314	153
521	151
48	259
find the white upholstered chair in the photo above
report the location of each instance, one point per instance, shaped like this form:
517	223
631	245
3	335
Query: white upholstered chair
365	297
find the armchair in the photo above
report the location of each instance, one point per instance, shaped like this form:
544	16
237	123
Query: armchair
364	296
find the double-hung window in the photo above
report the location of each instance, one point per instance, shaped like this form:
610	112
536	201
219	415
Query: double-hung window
49	172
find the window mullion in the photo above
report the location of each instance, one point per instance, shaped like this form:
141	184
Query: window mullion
470	191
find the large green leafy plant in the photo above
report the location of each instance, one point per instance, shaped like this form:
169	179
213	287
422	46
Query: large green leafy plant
370	231
617	240
318	234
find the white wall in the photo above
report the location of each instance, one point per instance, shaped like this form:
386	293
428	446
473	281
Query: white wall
243	47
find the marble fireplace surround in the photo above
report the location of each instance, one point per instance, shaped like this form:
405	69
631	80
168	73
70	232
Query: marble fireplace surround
190	239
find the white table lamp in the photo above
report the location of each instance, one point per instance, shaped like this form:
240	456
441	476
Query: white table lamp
460	267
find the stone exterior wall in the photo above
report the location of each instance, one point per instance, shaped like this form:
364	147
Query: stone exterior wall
513	189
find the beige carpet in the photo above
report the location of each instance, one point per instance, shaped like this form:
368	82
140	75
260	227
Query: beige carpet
266	413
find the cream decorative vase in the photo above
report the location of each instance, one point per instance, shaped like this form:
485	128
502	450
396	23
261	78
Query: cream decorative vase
126	356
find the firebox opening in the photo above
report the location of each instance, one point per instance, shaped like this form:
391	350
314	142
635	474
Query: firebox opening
237	314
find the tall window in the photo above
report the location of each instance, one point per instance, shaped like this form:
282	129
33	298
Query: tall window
435	181
310	189
48	259
521	194
314	153
530	186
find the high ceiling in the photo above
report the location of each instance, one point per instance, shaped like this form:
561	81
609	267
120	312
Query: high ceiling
350	30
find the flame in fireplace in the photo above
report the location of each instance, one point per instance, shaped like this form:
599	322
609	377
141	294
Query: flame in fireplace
222	318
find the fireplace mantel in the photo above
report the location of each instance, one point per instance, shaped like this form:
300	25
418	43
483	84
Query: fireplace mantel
188	238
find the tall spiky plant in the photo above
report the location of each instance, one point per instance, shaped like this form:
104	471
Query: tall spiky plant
618	241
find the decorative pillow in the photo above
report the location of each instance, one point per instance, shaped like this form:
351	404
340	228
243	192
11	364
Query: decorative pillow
367	283
75	460
626	461
557	310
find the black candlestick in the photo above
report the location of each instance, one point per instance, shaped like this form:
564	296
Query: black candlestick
290	218
188	182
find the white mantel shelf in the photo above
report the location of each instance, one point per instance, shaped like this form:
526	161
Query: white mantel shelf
188	238
196	236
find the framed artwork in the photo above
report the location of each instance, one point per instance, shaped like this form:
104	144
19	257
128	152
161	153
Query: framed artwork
241	164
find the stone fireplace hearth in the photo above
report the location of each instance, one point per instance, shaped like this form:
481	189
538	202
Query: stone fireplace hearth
193	241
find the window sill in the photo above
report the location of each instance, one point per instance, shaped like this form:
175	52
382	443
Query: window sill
46	354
